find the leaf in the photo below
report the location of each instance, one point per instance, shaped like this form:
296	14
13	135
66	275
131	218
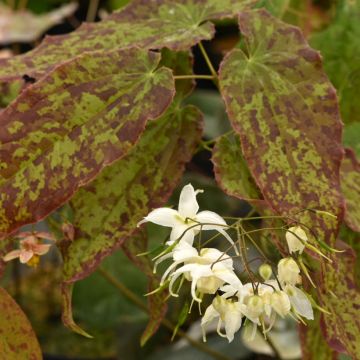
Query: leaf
108	210
231	171
341	296
285	110
351	137
350	186
340	46
24	26
17	338
177	25
64	129
67	315
157	305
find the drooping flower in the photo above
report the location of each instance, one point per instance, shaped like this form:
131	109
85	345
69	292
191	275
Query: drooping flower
299	302
185	222
228	312
280	302
296	238
207	270
30	247
288	272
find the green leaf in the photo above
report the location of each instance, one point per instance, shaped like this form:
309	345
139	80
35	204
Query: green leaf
175	24
108	210
157	305
17	338
351	137
231	170
63	130
285	110
350	186
340	46
340	295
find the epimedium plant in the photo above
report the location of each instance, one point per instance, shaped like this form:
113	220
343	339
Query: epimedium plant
102	131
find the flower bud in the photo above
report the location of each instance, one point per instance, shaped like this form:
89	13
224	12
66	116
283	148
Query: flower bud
209	285
296	238
265	271
289	271
280	302
255	306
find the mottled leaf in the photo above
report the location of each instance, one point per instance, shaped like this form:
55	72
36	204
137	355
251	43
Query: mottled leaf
107	210
155	24
340	46
24	26
285	110
17	338
67	314
340	295
231	170
157	305
350	186
62	130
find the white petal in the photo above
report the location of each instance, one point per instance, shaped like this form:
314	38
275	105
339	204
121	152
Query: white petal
182	232
209	218
226	275
188	206
301	304
162	216
183	251
12	255
210	315
25	256
232	323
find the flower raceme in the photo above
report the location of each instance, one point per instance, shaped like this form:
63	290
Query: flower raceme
186	222
31	247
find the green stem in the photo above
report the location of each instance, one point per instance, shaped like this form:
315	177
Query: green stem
207	59
137	301
181	77
92	9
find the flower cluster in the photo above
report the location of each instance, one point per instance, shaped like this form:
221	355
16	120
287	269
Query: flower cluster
210	271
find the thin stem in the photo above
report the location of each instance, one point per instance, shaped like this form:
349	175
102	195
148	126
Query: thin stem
183	77
92	9
22	4
137	301
207	59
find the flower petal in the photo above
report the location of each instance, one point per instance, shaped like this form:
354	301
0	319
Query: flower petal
210	315
301	303
12	255
161	216
25	256
232	322
210	217
183	251
41	249
182	231
188	205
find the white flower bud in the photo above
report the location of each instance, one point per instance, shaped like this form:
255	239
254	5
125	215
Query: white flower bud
265	271
296	238
255	306
289	271
280	302
209	285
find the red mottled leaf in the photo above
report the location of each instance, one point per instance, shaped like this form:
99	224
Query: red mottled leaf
340	295
134	246
108	210
231	170
285	110
63	130
350	186
176	24
17	338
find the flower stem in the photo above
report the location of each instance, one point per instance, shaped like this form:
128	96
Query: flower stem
194	76
92	9
140	304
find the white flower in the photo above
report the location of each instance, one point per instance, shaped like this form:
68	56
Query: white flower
185	222
280	302
288	272
296	238
300	302
207	271
228	312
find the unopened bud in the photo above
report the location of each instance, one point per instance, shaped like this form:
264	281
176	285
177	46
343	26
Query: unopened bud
280	302
289	271
265	271
296	239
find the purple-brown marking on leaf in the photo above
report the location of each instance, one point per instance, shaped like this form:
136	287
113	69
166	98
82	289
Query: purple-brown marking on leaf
64	129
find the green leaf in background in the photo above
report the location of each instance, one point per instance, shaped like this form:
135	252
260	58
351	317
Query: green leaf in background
175	24
17	338
63	130
107	210
350	186
339	44
351	137
231	171
157	304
